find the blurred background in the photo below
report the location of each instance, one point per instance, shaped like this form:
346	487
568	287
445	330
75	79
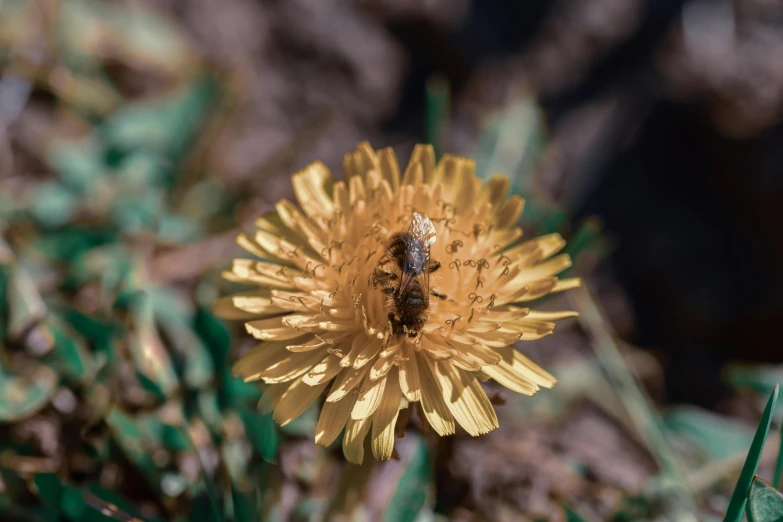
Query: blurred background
138	137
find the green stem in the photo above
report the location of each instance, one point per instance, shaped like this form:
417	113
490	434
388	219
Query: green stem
437	108
630	392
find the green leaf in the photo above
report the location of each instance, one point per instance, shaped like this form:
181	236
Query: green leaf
164	124
262	434
765	503
72	503
758	378
413	487
584	236
197	369
22	396
776	478
25	306
53	205
512	143
78	164
208	408
130	438
70	357
149	354
49	488
572	516
742	490
245	507
716	435
174	438
437	107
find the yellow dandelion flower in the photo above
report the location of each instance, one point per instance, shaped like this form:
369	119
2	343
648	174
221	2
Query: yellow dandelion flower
389	289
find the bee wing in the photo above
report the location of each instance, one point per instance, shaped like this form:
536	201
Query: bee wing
423	276
421	234
422	229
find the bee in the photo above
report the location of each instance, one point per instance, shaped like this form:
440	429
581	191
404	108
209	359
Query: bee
403	273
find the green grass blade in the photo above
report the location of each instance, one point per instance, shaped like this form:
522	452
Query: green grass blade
213	501
779	466
437	107
585	235
629	391
742	490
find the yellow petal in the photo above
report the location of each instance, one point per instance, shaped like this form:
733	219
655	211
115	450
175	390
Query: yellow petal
296	221
503	374
310	187
356	190
462	360
254	248
357	345
271	397
529	291
409	376
389	167
313	344
542	270
422	157
247	305
291	253
367	353
465	398
340	195
259	358
288	368
323	371
468	195
277	328
510	212
432	403
332	419
295	401
477	406
481	354
381	368
551	316
351	165
366	159
567	284
353	440
494	191
385	418
449	175
517	372
345	382
369	398
261	273
413	176
272	224
434	347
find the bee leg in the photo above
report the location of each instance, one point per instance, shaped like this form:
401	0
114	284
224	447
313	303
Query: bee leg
391	332
433	266
439	296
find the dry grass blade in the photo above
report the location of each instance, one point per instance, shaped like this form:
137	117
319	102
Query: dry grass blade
633	397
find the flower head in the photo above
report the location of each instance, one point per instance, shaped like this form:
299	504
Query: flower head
356	305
